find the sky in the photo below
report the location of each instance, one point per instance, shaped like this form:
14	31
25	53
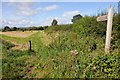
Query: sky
28	14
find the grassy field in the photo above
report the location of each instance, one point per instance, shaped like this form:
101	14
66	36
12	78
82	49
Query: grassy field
63	51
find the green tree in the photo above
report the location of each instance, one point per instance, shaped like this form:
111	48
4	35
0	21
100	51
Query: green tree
76	17
14	28
54	22
40	28
45	27
6	28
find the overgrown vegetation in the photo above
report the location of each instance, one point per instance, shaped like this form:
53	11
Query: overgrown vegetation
14	62
74	51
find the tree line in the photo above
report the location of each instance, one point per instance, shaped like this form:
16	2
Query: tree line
54	23
7	28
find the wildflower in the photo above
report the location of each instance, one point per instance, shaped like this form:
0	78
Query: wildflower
75	52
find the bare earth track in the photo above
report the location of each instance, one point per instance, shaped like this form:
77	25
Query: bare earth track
18	33
46	39
18	46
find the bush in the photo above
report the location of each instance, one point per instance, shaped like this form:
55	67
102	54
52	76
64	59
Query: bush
106	66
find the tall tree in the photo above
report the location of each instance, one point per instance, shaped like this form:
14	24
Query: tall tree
7	28
76	17
54	22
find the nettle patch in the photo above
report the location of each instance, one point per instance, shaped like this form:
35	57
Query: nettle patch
104	66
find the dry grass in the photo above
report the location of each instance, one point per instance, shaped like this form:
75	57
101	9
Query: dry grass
18	33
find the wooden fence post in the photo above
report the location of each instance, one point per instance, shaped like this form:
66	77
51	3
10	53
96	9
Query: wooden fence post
30	46
109	29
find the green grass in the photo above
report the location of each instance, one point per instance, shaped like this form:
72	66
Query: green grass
65	51
38	40
14	62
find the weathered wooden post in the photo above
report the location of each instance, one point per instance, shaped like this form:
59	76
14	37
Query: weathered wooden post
30	48
109	19
109	30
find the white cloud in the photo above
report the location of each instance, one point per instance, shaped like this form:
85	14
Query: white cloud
46	22
63	19
53	7
23	8
66	17
26	13
17	23
72	13
49	8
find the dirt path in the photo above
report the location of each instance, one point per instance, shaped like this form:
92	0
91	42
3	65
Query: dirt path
45	38
18	46
18	34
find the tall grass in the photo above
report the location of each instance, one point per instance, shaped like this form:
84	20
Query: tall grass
72	51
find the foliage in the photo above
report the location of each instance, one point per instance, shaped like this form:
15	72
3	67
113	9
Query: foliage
66	51
105	66
14	28
76	17
67	27
6	28
14	64
54	22
24	29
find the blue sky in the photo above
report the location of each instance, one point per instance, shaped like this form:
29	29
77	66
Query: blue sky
27	14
